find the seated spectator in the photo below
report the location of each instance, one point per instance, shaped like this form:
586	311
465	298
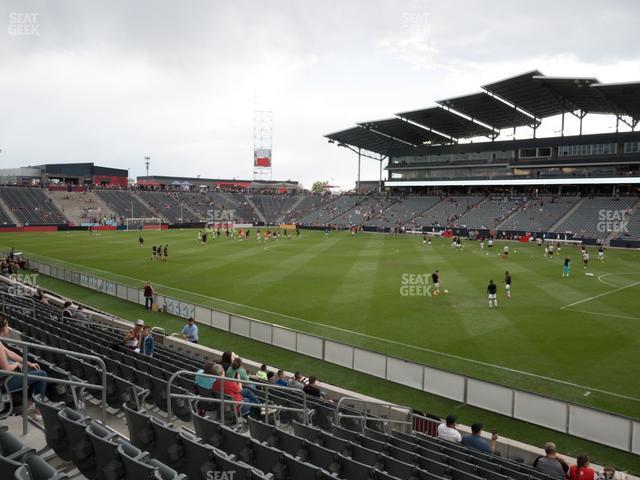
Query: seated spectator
296	381
447	431
271	377
236	392
581	470
226	360
206	382
281	380
190	331
39	296
10	360
132	337
262	373
79	314
67	312
550	463
609	473
146	341
475	440
236	367
312	389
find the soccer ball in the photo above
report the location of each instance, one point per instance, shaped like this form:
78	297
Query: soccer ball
446	291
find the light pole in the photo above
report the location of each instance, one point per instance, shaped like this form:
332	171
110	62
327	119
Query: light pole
146	162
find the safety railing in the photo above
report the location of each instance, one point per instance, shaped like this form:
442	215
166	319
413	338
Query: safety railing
25	346
222	401
387	421
10	298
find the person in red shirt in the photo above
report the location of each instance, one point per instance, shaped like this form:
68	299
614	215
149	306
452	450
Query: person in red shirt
235	391
148	296
581	471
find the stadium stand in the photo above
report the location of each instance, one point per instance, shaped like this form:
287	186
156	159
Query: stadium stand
539	214
31	206
364	211
5	219
331	209
631	230
82	207
490	212
402	211
125	203
446	213
170	205
585	220
273	207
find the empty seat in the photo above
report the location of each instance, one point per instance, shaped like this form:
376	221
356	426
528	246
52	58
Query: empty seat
105	445
198	458
138	465
35	468
140	429
208	430
167	444
82	453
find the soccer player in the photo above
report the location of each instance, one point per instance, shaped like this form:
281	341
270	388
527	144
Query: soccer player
424	240
326	232
585	258
435	278
507	283
546	251
204	238
482	243
601	253
492	289
141	241
166	252
153	252
458	244
490	242
505	251
429	241
566	268
551	249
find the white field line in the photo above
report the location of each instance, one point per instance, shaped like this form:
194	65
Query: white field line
600	295
612	315
364	335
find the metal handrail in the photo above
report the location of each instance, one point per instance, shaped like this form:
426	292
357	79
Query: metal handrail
25	377
366	418
5	295
304	410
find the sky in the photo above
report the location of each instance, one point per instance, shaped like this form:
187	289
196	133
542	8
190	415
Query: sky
111	82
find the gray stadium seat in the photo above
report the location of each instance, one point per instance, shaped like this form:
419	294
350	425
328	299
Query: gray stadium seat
140	429
82	453
105	445
198	458
168	445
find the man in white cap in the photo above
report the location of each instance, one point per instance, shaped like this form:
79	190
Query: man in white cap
132	337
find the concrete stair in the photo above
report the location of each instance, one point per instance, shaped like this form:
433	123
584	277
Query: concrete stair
9	213
81	207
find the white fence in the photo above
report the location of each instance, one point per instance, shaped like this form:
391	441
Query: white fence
588	423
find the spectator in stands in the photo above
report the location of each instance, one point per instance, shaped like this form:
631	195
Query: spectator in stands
550	463
11	361
226	359
312	389
475	440
236	368
146	341
4	268
206	382
67	312
190	331
39	296
609	473
132	337
281	379
296	381
581	470
148	296
447	431
262	373
236	392
271	377
79	314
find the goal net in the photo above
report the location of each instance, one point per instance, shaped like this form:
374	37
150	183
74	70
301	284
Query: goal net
152	223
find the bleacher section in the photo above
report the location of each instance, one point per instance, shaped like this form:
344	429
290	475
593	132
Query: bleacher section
31	206
364	211
330	209
5	220
402	211
273	207
125	204
489	213
170	206
446	213
586	221
539	214
631	229
308	204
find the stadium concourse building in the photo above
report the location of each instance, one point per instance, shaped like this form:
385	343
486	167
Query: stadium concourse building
468	144
190	183
65	175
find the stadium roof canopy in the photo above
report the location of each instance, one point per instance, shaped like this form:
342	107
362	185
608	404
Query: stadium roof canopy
449	123
527	93
487	109
625	96
405	131
366	139
577	92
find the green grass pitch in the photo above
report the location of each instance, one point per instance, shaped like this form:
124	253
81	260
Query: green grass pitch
572	338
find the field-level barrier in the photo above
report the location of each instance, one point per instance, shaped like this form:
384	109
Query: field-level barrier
589	423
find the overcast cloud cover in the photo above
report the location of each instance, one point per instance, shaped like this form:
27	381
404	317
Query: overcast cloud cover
113	81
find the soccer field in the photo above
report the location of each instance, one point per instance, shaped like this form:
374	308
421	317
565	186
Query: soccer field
574	338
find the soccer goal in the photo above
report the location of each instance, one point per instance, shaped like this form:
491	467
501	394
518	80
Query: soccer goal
152	223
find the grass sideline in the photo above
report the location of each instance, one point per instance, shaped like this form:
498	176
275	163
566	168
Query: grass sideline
346	378
581	330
